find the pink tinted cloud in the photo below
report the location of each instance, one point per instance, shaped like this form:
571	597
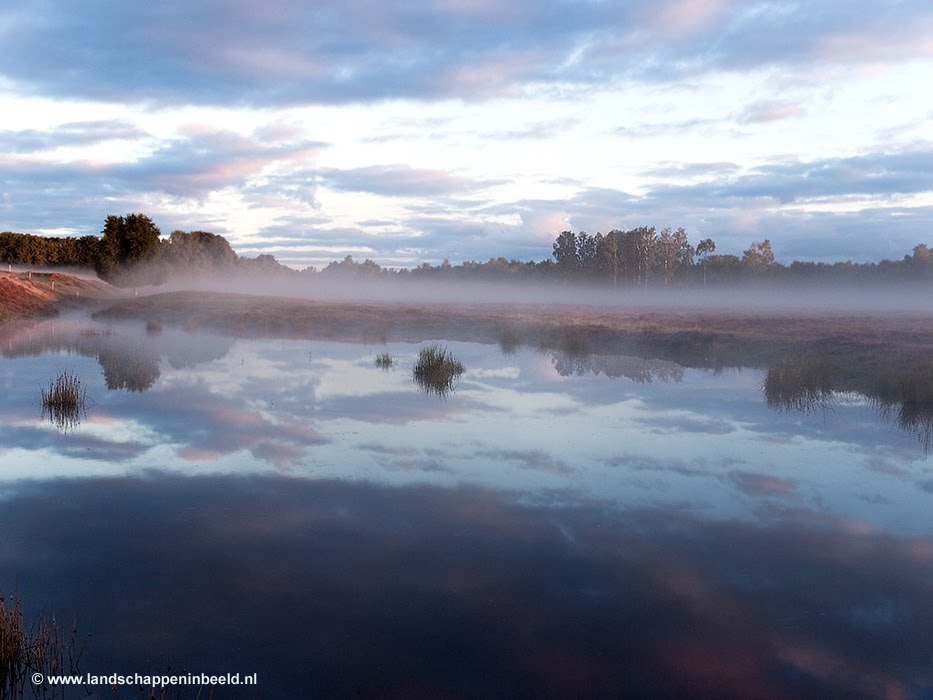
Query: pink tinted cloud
679	17
196	454
770	111
752	484
865	47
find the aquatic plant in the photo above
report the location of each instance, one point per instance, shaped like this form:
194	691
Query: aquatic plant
908	400
509	339
384	360
39	647
95	332
799	385
436	369
64	401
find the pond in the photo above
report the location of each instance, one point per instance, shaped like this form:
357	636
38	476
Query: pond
557	525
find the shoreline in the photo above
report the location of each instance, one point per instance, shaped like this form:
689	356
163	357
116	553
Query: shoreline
28	296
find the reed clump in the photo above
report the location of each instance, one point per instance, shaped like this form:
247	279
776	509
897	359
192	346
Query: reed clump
799	385
14	648
509	339
436	369
384	360
65	400
41	647
908	399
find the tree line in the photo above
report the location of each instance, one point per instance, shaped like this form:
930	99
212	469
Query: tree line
132	251
644	257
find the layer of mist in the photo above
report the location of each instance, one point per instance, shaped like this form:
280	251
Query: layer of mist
784	299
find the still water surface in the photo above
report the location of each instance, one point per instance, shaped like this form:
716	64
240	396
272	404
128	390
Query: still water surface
555	527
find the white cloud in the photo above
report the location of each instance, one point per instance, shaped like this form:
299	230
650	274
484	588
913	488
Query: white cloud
482	141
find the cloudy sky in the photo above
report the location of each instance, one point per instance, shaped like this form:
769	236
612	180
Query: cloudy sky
468	129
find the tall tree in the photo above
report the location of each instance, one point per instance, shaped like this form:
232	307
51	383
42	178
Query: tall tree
685	251
588	252
126	244
704	249
610	255
638	245
759	257
198	250
565	253
667	254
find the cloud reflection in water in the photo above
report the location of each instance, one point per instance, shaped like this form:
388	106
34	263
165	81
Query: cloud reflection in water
329	588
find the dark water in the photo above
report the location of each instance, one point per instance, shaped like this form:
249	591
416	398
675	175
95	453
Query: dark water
555	527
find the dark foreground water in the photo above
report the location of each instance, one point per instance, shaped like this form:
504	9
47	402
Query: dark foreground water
555	527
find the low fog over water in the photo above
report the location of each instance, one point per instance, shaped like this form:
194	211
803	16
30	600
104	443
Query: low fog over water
872	298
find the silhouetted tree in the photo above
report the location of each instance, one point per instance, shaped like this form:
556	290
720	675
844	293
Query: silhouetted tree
610	255
566	254
667	254
127	244
638	246
588	253
198	250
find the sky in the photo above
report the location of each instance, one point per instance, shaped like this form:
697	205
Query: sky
410	132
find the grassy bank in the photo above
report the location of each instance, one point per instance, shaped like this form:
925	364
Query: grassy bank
43	294
694	339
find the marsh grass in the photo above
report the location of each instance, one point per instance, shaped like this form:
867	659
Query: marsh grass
96	332
65	401
799	385
40	647
907	399
384	361
509	339
436	369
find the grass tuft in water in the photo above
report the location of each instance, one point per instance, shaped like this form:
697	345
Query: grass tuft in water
384	360
908	399
39	647
436	369
801	386
509	339
64	401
